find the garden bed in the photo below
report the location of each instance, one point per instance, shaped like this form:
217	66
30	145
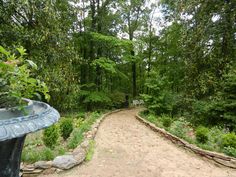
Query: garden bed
37	158
183	134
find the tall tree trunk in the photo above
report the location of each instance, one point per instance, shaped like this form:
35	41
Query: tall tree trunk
134	76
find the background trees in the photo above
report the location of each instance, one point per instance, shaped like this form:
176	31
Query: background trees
91	53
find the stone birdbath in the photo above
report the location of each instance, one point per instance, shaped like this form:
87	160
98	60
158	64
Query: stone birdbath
14	126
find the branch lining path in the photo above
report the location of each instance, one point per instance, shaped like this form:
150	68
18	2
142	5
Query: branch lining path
127	148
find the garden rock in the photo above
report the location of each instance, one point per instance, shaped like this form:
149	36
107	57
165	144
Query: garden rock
85	144
49	171
79	154
64	162
43	164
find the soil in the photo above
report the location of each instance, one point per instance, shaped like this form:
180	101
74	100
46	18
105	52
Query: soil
127	148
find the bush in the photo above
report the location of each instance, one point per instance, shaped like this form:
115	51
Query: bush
118	99
166	121
230	151
47	154
50	136
80	115
180	128
202	134
66	127
229	140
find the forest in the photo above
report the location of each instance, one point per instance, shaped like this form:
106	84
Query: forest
179	57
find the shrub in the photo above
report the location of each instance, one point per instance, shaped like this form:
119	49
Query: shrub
166	121
66	127
47	154
50	136
80	115
230	151
180	128
90	152
16	82
78	122
30	155
159	100
229	140
117	99
76	138
202	134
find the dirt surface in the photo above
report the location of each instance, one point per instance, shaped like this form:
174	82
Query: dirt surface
127	148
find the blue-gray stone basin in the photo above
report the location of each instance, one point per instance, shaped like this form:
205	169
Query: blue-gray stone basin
14	124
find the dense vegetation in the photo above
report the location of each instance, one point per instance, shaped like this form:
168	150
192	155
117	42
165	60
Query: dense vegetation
56	140
94	53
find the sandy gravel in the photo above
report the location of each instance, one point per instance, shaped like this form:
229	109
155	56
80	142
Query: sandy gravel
127	148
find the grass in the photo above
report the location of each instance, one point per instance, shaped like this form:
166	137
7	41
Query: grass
34	149
183	129
90	152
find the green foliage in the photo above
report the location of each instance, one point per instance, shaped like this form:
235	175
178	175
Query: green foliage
158	100
94	99
77	134
47	154
219	109
32	155
66	127
180	128
76	138
230	151
229	140
16	81
166	121
90	152
80	115
111	40
117	99
50	136
202	134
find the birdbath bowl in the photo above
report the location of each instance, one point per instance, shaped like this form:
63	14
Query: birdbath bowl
14	126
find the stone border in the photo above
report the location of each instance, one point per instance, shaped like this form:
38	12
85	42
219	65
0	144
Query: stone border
71	159
216	157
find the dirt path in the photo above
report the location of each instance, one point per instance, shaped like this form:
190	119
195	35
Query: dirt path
127	148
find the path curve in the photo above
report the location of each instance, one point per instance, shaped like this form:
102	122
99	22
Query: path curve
127	148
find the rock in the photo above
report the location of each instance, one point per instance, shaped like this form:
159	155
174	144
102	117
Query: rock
29	167
59	170
43	164
21	165
85	144
79	154
64	162
230	163
89	136
68	153
32	173
49	171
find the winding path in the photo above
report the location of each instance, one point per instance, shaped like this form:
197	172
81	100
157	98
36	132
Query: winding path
127	148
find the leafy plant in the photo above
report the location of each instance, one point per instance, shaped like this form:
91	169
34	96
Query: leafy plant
230	151
16	81
66	127
159	100
50	136
166	121
179	128
202	134
90	152
229	140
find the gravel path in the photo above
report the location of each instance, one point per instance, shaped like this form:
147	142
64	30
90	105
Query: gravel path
127	148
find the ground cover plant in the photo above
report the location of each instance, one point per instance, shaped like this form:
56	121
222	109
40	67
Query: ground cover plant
210	138
47	144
